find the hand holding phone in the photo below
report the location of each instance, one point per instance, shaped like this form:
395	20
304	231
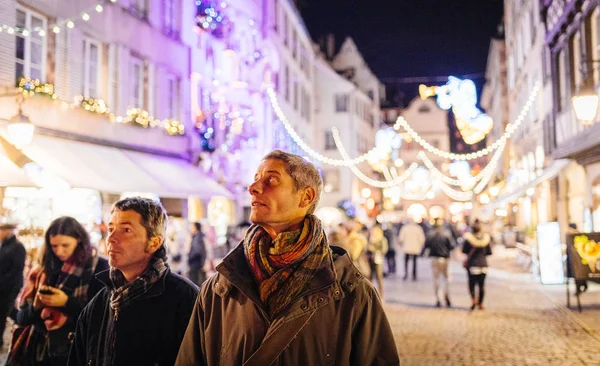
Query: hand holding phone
45	291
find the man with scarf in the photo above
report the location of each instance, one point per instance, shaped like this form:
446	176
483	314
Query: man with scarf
141	315
283	295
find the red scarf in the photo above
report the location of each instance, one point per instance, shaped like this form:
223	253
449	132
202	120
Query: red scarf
283	267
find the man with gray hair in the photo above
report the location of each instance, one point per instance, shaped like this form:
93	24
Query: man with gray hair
283	295
140	317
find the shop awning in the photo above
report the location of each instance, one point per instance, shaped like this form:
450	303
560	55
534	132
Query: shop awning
10	174
548	173
113	170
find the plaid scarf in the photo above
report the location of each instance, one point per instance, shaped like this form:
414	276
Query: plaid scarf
284	267
123	293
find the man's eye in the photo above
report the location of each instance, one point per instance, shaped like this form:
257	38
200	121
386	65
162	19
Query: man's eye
127	230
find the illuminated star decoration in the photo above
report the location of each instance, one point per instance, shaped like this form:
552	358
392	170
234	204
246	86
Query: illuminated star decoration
461	96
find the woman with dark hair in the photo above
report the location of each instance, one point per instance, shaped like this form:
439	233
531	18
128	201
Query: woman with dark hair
56	291
477	247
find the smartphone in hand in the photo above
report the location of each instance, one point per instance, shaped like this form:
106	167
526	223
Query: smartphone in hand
45	291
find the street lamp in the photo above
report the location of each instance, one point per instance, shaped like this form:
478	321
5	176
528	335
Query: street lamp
20	129
585	103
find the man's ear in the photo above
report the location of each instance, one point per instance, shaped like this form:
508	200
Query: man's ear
308	197
154	244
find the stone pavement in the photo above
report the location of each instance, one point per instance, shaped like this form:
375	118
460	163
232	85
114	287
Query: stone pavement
524	323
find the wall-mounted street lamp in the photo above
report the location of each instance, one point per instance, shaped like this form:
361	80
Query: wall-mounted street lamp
585	103
20	129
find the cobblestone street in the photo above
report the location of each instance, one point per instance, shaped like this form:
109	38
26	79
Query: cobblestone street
524	323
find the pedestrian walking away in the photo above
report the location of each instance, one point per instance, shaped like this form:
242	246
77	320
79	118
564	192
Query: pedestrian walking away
57	289
412	239
197	255
141	314
378	246
274	292
440	244
12	264
477	247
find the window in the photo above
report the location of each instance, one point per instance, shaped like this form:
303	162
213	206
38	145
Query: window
91	68
595	40
577	77
30	52
307	107
137	82
276	81
139	8
424	108
287	83
285	29
172	97
341	103
276	15
296	95
562	80
294	44
329	141
170	18
371	95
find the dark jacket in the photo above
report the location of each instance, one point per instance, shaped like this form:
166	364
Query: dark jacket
439	242
229	323
197	254
482	248
147	332
56	343
12	264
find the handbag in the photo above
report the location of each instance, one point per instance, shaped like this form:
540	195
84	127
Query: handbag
466	261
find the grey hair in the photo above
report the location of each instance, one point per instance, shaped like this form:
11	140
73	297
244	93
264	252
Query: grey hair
303	173
154	215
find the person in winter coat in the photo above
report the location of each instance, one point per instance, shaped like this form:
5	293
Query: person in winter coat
140	316
12	263
357	243
378	247
197	255
440	244
477	247
275	294
412	239
57	289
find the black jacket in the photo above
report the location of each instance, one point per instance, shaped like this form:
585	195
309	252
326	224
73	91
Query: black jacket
197	254
480	244
12	264
147	332
439	242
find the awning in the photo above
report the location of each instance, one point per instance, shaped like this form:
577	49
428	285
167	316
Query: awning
114	170
548	173
10	174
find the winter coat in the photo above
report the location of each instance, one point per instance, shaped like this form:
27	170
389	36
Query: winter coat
357	244
481	243
230	323
197	254
439	242
147	332
412	238
12	264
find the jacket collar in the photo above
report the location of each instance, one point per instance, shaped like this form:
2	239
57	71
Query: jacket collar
156	289
326	286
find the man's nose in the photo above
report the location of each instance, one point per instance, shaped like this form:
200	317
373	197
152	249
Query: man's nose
254	188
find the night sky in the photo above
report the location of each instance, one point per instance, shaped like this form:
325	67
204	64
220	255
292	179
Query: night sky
410	38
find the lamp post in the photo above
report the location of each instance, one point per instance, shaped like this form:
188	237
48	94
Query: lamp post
20	129
585	103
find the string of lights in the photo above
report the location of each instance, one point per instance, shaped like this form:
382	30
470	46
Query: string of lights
59	25
509	130
304	146
360	175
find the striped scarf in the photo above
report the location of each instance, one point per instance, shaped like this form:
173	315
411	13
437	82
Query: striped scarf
122	293
284	267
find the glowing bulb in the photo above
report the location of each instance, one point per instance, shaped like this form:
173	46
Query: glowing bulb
56	29
70	24
99	8
85	16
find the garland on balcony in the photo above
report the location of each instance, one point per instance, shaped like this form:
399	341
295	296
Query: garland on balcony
135	116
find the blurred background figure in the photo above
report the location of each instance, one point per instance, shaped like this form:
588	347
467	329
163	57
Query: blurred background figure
12	263
412	240
197	255
440	244
477	247
58	287
357	245
390	256
378	247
